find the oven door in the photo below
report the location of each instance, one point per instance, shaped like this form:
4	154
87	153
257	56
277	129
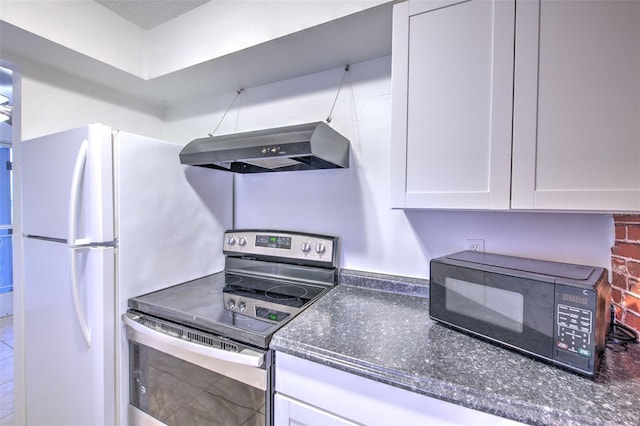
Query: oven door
175	381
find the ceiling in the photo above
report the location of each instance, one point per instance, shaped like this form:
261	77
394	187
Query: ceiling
150	13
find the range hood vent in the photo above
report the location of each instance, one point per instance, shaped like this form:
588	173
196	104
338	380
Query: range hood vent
308	146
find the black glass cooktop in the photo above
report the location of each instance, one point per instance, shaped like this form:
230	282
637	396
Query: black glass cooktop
199	303
276	292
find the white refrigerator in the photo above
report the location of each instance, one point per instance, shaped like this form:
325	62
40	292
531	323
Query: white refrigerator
107	215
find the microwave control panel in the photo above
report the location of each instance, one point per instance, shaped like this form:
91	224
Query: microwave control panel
574	337
574	329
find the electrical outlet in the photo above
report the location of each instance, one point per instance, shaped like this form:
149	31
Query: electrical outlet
475	245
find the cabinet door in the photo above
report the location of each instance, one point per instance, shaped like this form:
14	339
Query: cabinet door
452	72
308	393
577	105
289	411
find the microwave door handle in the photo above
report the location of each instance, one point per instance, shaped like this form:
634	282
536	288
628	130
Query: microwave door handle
161	341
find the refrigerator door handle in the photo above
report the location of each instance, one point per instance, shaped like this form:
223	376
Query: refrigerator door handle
76	186
75	292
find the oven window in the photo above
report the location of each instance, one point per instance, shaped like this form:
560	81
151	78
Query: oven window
493	305
180	393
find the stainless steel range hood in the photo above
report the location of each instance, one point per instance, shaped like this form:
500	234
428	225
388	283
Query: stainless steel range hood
308	146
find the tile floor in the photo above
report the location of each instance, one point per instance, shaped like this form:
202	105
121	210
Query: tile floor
6	372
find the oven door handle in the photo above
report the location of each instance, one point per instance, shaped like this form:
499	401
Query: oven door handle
161	341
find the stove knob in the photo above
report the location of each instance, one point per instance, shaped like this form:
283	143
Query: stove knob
231	240
231	304
241	307
320	248
242	241
305	247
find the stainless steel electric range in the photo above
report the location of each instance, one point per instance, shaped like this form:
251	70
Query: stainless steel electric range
199	351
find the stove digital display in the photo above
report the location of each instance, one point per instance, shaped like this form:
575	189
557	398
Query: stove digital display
273	241
270	314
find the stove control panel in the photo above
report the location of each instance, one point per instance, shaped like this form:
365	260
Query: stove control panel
262	310
282	245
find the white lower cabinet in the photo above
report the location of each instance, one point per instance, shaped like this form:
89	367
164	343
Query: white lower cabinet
308	393
289	411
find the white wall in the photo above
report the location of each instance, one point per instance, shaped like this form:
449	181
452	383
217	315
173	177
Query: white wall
53	101
354	203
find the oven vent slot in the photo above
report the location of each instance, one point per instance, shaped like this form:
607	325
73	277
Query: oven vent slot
188	334
163	327
229	346
210	341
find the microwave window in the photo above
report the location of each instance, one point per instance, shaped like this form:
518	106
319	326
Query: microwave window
493	305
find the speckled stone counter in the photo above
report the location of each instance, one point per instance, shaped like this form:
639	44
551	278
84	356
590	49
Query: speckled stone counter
379	327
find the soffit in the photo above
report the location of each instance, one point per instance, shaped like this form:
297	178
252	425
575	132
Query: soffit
354	38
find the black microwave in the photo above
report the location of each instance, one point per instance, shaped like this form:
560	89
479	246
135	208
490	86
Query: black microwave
553	311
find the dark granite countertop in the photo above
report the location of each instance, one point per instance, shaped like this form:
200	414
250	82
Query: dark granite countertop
378	327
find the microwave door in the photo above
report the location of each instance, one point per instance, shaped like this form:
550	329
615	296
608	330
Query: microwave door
511	310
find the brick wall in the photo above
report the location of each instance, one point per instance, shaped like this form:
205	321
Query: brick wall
625	265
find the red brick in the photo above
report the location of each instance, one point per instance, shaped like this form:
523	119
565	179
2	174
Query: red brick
619	313
626	218
630	250
621	232
633	268
632	320
619	265
633	303
619	281
616	295
633	233
634	286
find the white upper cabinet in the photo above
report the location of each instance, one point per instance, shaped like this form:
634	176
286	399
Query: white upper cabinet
452	101
554	127
576	141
